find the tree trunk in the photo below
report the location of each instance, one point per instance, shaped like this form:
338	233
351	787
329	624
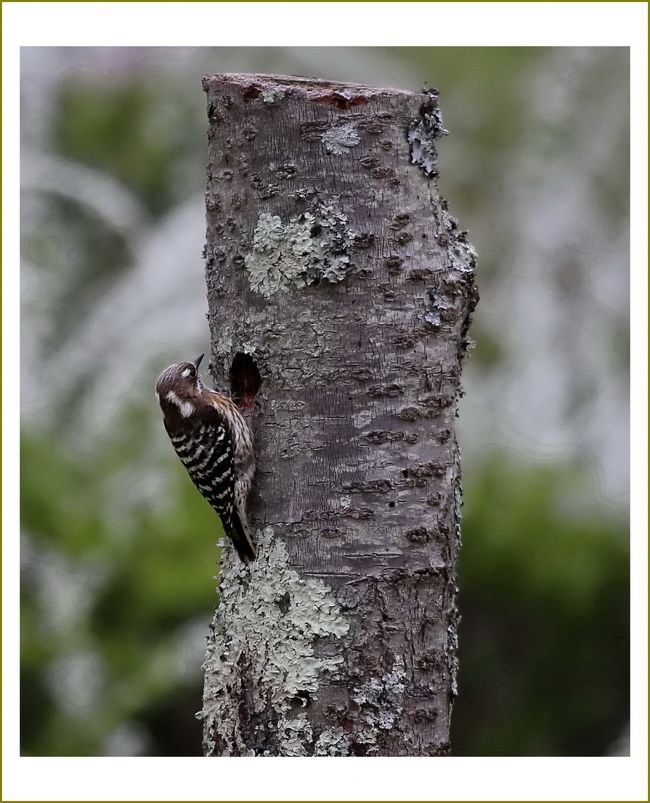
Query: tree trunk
338	280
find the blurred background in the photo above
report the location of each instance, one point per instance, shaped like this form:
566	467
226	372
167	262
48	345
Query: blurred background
118	550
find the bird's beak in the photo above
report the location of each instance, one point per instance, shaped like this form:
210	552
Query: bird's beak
197	361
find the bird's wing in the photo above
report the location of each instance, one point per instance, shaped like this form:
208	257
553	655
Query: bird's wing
207	454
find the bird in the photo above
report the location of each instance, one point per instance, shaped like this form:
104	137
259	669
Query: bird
214	443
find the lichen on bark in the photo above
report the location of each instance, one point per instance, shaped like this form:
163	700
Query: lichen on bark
352	287
262	651
423	131
281	254
311	246
340	138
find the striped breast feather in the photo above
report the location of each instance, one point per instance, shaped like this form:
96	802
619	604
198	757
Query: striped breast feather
207	456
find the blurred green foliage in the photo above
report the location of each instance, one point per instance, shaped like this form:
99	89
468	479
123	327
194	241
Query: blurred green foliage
544	636
156	565
133	133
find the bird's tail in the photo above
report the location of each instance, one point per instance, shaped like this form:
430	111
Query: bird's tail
242	541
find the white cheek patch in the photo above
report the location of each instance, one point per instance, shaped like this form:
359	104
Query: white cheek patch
186	407
186	372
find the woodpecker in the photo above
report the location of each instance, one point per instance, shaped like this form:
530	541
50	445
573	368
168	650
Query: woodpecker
214	443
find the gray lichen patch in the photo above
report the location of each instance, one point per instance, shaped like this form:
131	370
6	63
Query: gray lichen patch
435	305
272	94
381	703
281	254
308	248
295	734
223	344
262	654
332	742
423	132
460	252
332	260
340	138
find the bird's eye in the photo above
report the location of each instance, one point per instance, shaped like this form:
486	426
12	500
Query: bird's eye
190	371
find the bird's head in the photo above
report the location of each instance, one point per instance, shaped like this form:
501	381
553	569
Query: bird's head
180	386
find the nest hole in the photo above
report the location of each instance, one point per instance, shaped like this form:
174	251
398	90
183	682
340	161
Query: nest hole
245	379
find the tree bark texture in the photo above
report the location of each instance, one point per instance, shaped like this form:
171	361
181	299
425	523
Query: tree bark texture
340	294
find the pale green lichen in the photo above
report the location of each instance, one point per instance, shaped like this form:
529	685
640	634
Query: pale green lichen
340	138
262	651
332	742
309	248
295	734
281	253
271	95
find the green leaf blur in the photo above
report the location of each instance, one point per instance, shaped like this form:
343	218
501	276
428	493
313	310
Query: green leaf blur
544	636
158	570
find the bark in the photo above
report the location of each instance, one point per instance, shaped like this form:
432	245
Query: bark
340	293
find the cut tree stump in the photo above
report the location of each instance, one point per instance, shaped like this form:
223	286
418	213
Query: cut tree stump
340	294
